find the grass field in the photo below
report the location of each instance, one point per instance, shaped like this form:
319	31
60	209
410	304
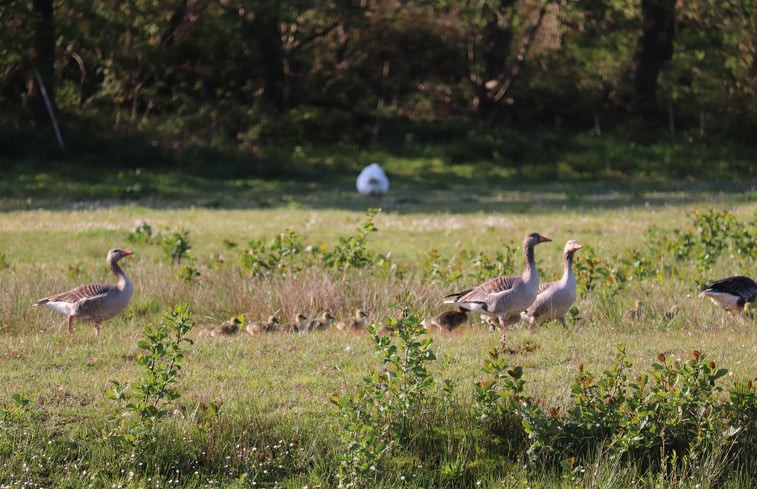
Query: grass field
276	426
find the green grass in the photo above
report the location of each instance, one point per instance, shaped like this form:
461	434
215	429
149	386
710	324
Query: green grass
274	390
432	167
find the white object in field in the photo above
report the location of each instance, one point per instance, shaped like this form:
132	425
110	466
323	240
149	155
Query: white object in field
372	180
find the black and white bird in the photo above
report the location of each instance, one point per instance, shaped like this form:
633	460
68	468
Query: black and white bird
731	293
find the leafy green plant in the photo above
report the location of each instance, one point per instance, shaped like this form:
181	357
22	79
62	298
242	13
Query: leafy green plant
142	234
714	232
436	268
161	362
176	245
592	271
189	272
4	261
351	251
281	254
676	411
378	418
483	268
501	395
14	413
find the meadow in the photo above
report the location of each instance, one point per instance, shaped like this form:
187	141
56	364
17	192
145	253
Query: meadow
412	408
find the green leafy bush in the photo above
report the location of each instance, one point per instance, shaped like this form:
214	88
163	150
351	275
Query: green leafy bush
176	245
351	251
161	362
592	272
379	417
713	234
141	234
676	410
283	253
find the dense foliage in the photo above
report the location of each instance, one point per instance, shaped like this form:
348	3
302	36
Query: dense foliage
243	76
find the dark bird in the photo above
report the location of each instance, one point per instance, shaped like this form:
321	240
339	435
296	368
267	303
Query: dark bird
450	320
731	293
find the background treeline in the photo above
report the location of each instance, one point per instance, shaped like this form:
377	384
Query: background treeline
246	75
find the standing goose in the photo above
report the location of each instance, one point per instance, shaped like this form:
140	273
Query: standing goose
504	296
94	302
554	299
732	293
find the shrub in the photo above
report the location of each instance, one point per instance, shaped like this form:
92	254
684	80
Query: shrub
379	417
142	234
280	254
161	364
676	411
177	245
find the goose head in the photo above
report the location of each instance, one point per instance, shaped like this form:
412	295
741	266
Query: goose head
116	254
534	239
572	246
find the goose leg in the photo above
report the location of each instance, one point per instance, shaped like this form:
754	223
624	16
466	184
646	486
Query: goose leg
503	323
70	326
97	329
562	321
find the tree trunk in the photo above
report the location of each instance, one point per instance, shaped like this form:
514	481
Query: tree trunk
265	30
44	59
654	50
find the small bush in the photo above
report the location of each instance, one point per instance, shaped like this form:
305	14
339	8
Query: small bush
142	234
161	362
176	245
380	417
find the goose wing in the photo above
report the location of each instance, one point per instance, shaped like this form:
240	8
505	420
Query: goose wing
486	292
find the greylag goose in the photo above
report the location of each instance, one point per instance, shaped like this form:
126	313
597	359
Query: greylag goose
731	293
356	323
507	295
554	299
94	302
450	320
298	324
323	322
270	325
230	327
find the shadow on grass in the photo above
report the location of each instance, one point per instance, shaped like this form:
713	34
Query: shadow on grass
449	168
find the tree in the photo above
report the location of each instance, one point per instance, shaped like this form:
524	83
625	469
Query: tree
500	35
655	49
